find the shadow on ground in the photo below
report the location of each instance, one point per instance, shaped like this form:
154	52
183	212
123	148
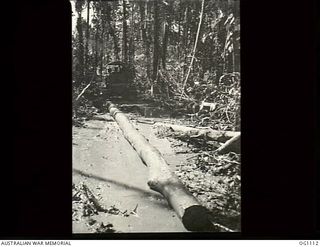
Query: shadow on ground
159	198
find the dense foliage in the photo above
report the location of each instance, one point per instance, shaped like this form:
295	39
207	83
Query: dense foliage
181	51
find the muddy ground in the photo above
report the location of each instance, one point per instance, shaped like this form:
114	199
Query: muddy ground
105	163
110	191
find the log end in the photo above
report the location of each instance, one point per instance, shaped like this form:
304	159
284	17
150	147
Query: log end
232	145
155	185
197	219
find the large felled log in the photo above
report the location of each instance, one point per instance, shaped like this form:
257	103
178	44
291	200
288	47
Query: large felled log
194	216
208	133
232	145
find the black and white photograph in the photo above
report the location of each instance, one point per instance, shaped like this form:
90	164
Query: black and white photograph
156	119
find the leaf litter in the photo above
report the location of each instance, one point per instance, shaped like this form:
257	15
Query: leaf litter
85	205
214	179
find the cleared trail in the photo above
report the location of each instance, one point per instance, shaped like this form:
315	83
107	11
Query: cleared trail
107	164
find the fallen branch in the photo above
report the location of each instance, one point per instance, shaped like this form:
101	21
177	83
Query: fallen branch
83	90
232	145
99	118
86	87
145	121
208	133
93	199
76	101
194	216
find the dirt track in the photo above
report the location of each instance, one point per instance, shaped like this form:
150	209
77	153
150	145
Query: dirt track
110	168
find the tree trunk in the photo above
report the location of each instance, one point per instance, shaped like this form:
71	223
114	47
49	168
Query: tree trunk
221	35
111	19
112	31
194	49
80	54
86	64
179	39
96	53
194	217
101	41
148	39
125	39
185	37
132	37
165	43
101	57
144	28
207	133
156	47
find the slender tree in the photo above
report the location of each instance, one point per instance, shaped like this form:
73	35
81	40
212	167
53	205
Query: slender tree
110	17
165	43
185	35
124	34
132	36
143	7
102	37
86	64
194	49
156	46
80	53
